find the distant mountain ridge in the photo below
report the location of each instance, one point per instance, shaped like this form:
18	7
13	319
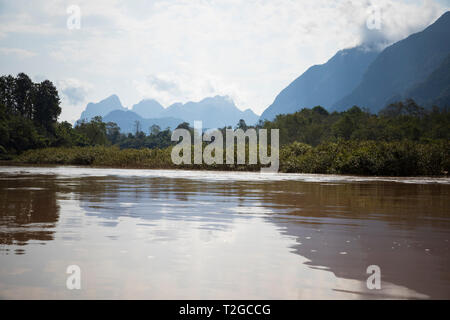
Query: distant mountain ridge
148	108
102	108
400	67
214	112
323	84
416	67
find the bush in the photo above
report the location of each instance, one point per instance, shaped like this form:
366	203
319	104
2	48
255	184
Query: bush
399	158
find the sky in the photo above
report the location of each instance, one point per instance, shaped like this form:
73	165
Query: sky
186	50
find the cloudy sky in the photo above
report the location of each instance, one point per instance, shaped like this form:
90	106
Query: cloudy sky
185	50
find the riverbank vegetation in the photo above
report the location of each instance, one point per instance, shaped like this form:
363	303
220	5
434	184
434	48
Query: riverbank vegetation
403	139
397	158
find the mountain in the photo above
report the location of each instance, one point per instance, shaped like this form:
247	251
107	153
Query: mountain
323	84
126	120
215	112
102	108
148	108
401	66
435	90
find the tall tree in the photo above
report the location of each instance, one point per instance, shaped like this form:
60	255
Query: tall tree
113	132
7	85
46	106
24	93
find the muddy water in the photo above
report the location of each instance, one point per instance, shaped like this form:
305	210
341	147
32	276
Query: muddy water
212	235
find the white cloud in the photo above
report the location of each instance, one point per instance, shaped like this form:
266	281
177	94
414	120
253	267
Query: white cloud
21	53
73	90
73	94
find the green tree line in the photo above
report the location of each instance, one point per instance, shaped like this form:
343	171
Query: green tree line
29	120
399	121
402	139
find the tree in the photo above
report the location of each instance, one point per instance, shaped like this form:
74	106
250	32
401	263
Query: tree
94	131
24	92
408	107
344	127
46	105
4	128
260	124
23	135
113	132
320	110
242	125
184	125
66	136
7	98
137	127
154	129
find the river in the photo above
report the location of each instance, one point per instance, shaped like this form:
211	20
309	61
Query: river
173	234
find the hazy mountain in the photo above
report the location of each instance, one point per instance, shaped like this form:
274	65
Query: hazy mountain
323	84
148	108
101	108
126	120
215	112
402	66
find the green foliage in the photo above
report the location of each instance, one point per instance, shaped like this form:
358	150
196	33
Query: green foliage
99	156
28	113
94	131
66	136
399	121
46	109
18	133
157	139
397	158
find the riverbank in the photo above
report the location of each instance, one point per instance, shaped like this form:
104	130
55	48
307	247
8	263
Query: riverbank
398	158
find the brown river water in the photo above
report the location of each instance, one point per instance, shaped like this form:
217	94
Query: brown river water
169	234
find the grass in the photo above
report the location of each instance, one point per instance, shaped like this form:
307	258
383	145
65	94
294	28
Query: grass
399	158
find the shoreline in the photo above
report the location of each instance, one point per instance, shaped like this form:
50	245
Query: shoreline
341	176
359	158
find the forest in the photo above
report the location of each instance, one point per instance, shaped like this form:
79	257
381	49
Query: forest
402	139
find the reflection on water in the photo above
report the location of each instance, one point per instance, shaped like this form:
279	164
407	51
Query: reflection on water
207	235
